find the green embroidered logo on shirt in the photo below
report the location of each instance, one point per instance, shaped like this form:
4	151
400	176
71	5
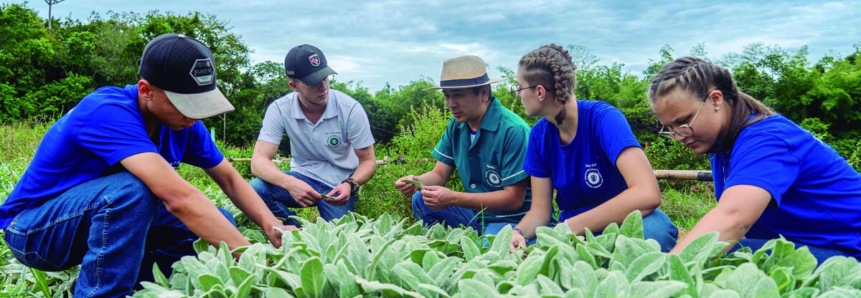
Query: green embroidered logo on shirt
334	141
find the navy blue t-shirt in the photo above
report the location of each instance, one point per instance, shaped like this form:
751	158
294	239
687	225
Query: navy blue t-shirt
816	193
89	142
584	171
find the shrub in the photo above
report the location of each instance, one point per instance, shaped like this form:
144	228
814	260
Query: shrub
855	158
666	154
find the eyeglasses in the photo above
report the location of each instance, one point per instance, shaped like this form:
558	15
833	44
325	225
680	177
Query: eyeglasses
684	130
326	81
516	90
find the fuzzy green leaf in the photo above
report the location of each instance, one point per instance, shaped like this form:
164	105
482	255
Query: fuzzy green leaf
312	279
632	227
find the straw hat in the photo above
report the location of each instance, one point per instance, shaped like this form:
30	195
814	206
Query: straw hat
464	72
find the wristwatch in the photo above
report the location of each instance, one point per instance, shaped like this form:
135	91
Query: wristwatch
354	186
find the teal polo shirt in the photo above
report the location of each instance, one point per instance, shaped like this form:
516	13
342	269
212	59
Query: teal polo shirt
494	161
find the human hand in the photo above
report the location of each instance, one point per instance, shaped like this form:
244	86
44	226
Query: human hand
274	235
517	242
339	196
303	194
405	188
438	197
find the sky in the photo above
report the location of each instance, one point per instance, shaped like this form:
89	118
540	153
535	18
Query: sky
398	41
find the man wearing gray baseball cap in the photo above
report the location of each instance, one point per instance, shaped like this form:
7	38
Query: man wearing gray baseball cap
331	144
103	192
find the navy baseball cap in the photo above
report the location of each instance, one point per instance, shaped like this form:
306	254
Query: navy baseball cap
185	69
307	64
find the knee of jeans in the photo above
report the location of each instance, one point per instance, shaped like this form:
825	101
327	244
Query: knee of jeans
228	215
258	185
658	226
137	193
418	200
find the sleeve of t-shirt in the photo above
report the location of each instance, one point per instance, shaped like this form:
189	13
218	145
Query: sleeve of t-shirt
513	155
273	125
443	150
358	128
113	132
764	161
535	163
201	151
615	134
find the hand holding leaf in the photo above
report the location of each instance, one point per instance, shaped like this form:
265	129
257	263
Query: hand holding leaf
408	185
417	184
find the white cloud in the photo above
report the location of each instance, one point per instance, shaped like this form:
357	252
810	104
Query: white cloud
398	41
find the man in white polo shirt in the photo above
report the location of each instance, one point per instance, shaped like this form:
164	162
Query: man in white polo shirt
330	143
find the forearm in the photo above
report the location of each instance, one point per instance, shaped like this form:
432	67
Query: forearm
246	199
730	228
614	211
267	171
201	216
536	217
365	171
500	200
432	178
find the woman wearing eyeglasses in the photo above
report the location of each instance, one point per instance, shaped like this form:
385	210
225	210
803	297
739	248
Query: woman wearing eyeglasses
584	150
771	177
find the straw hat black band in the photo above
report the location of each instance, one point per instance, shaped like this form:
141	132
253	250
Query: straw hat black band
465	82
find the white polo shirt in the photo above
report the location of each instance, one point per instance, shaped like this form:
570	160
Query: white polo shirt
323	151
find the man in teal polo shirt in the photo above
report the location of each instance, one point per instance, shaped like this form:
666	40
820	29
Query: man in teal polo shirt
486	143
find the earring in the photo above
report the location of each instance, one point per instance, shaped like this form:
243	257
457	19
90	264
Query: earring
717	109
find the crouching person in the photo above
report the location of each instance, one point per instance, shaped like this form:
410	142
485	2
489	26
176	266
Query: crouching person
486	143
102	190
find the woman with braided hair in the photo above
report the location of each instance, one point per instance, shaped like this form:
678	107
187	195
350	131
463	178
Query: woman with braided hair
586	151
772	178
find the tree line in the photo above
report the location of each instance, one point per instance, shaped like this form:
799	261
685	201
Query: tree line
45	72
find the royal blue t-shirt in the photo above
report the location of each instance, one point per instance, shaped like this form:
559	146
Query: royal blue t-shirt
584	171
89	142
816	194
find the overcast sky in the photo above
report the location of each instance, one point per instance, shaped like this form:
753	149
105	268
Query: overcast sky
397	41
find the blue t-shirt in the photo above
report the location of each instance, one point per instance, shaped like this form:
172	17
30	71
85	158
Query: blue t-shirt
816	194
89	142
584	171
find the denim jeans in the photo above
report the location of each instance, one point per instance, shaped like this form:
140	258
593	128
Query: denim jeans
455	217
658	226
113	226
279	199
821	253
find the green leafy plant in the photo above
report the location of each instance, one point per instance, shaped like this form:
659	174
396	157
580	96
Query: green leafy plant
385	257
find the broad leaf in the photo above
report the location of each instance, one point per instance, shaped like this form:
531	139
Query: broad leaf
632	227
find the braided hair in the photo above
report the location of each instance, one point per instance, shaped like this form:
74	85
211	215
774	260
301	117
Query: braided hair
551	67
699	77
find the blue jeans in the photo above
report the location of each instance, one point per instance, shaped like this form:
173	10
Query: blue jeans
279	199
821	253
455	217
113	226
658	226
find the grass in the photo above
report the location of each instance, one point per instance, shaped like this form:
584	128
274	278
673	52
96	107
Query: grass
685	206
684	202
